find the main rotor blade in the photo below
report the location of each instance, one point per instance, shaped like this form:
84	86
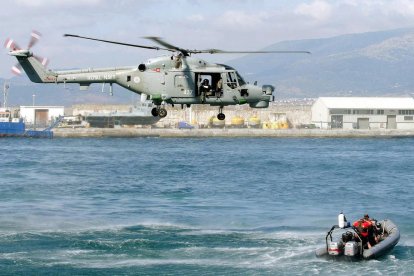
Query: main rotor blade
217	51
119	43
186	52
168	45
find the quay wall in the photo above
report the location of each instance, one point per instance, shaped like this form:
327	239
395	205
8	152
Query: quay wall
227	132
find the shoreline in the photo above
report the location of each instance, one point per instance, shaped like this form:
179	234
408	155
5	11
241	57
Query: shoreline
227	132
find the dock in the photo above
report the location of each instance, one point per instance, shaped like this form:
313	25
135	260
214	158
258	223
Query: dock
228	132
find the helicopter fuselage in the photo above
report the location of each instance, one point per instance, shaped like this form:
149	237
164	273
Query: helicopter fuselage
166	80
175	79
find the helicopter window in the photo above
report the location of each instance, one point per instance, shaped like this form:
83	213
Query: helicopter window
231	80
128	78
240	79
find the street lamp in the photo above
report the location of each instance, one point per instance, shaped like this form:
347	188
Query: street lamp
34	99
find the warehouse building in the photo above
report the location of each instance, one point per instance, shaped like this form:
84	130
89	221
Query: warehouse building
40	116
363	113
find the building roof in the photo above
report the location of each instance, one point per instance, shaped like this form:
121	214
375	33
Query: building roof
40	106
368	102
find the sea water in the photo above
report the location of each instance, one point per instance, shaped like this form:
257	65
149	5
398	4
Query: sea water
198	206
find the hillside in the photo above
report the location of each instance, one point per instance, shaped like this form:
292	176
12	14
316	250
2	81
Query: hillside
366	64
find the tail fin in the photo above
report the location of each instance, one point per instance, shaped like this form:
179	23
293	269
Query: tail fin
34	66
36	70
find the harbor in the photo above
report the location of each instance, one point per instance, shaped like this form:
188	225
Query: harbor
385	117
287	118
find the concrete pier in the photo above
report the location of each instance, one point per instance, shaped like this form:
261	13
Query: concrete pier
227	132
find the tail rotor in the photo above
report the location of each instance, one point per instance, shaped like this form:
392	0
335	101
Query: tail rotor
11	45
17	69
18	51
34	38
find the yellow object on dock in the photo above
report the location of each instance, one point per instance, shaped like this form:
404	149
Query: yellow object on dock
254	121
275	125
237	121
216	122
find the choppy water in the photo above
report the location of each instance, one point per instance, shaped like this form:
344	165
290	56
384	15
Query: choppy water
197	206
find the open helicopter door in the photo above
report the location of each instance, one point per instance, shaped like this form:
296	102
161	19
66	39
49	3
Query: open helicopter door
213	80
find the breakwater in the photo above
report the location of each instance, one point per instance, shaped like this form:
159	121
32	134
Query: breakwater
226	132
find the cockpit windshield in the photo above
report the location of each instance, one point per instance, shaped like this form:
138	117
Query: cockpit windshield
234	80
240	79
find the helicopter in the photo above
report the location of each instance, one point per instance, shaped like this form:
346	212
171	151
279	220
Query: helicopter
178	78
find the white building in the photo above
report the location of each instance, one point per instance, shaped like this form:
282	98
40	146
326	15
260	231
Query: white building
40	115
363	113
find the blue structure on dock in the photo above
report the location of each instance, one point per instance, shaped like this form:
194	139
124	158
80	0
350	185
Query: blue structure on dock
12	128
18	129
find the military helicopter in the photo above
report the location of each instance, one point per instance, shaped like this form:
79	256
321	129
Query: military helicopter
178	78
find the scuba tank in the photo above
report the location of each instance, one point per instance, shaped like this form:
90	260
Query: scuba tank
341	220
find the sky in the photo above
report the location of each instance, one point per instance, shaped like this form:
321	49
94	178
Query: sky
191	24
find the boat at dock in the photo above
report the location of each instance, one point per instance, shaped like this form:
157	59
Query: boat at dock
139	114
15	127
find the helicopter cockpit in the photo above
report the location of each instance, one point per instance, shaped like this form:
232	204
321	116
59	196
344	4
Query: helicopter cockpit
234	80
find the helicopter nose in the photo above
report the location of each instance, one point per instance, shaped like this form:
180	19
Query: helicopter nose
268	89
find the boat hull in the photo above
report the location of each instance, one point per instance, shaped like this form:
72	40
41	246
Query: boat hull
110	121
387	244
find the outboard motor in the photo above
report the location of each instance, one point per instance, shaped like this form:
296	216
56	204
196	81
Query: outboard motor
347	236
351	249
335	248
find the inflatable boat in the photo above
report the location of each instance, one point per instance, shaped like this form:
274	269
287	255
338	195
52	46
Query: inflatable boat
349	243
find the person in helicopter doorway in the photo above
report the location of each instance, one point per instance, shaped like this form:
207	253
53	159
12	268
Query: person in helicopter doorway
366	229
219	88
205	88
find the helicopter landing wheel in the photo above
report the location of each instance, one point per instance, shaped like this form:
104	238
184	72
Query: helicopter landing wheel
154	112
162	112
221	116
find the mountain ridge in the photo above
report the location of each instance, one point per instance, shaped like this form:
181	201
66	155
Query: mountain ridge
364	64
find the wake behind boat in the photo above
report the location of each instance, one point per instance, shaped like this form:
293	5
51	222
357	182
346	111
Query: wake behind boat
360	241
